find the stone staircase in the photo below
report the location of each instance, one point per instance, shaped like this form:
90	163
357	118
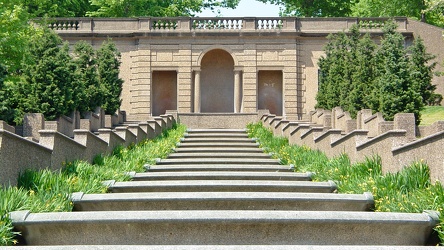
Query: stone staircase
218	190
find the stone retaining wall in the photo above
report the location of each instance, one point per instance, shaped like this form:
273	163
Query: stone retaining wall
398	143
50	144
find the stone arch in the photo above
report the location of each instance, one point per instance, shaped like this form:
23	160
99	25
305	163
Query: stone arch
217	82
229	51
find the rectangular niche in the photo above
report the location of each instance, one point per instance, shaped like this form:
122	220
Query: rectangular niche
164	92
270	91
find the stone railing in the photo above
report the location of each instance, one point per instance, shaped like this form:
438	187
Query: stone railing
213	24
43	144
398	143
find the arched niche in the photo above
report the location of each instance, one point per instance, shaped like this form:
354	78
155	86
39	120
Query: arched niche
217	82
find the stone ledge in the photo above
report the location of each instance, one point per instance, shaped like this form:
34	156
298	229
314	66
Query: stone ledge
227	200
222	186
207	227
219	167
221	247
241	174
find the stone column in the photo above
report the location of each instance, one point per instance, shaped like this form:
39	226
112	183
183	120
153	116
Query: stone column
237	96
197	91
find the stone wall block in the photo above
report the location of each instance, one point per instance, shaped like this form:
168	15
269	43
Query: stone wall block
406	121
32	123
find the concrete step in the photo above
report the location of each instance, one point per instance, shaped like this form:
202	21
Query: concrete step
238	155
211	161
219	140
218	149
219	167
224	227
221	186
217	144
221	247
221	175
225	200
216	135
203	131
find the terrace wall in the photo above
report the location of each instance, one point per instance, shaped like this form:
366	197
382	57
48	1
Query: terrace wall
398	143
49	144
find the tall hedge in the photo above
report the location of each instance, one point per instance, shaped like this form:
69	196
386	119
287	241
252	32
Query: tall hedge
357	73
55	82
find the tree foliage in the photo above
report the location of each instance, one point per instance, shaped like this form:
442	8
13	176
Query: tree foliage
156	8
431	11
49	77
15	33
313	8
51	8
55	82
108	58
90	94
357	74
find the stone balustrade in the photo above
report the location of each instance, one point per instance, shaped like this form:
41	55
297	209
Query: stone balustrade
218	24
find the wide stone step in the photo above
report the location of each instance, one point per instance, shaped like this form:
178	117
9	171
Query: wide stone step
229	131
224	227
220	175
221	186
218	149
239	161
216	135
219	167
224	247
238	155
225	200
219	140
218	144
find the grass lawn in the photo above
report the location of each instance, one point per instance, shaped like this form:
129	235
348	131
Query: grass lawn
431	114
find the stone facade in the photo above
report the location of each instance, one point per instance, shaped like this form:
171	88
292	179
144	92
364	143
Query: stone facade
220	65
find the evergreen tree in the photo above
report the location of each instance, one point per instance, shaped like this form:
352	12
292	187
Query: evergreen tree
363	76
50	78
6	111
421	71
397	93
332	68
108	62
357	74
91	94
